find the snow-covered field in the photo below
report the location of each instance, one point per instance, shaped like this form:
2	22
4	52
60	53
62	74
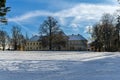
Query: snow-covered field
55	65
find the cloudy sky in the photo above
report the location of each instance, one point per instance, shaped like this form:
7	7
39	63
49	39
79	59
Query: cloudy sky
74	16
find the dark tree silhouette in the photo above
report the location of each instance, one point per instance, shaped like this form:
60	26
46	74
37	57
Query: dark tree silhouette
3	11
3	39
118	28
17	38
104	34
117	31
50	31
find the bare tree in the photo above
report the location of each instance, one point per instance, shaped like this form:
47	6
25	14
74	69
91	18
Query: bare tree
60	40
103	33
118	28
117	33
96	37
3	39
48	31
17	37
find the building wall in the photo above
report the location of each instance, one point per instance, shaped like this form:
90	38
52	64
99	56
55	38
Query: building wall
73	43
77	45
33	45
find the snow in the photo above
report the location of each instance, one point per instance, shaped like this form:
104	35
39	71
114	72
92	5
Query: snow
59	65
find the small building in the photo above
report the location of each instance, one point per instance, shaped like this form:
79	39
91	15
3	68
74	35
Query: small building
33	44
77	42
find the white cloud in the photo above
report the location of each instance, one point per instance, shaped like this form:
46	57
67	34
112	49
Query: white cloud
87	10
25	28
88	29
30	15
85	13
79	13
74	25
62	21
113	1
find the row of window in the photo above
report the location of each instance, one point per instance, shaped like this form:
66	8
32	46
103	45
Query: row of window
33	48
76	42
33	43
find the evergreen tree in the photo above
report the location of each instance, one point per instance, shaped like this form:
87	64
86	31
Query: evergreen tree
3	11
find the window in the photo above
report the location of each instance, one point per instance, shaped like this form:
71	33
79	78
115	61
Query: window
34	43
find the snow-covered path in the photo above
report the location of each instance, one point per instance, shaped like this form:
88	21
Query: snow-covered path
40	65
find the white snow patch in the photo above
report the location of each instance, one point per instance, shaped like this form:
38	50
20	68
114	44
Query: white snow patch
45	60
55	55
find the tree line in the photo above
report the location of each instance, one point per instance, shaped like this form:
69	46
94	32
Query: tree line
16	40
106	34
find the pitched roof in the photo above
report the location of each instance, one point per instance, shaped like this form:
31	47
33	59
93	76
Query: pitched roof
76	37
70	37
34	38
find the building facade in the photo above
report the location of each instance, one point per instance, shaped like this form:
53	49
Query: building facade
74	43
77	42
33	44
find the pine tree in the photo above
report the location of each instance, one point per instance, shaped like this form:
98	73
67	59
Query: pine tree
3	11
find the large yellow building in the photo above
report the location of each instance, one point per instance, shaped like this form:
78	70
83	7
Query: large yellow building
75	42
33	44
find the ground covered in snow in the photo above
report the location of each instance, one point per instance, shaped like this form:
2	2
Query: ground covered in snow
55	65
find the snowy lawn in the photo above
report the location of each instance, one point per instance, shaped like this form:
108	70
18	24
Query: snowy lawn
65	65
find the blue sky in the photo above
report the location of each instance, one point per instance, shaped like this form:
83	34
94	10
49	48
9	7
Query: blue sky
74	16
